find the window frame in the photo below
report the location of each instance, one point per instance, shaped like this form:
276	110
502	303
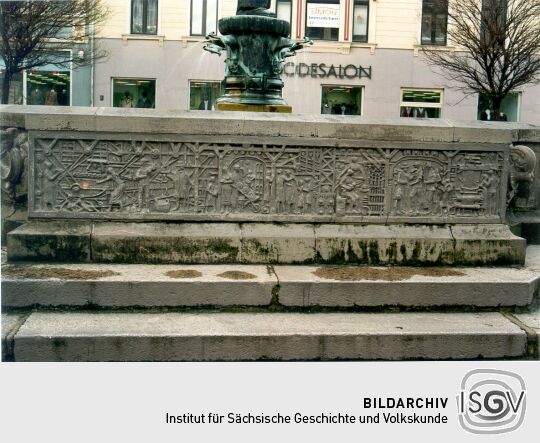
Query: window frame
366	39
433	15
284	1
144	19
438	105
204	13
362	89
306	20
154	79
191	80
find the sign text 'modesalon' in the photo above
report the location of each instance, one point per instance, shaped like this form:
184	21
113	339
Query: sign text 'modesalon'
322	70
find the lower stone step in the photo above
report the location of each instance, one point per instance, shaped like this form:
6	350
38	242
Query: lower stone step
82	336
144	286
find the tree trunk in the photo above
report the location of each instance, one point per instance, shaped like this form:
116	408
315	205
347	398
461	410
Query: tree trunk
6	85
497	101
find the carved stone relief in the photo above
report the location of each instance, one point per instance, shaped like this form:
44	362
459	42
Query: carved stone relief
190	180
14	164
522	166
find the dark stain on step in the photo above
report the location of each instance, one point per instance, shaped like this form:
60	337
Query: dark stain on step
350	273
237	275
45	272
184	273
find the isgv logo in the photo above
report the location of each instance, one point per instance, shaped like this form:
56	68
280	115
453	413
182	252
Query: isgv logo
491	401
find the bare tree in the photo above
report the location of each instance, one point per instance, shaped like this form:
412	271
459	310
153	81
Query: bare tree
497	46
35	33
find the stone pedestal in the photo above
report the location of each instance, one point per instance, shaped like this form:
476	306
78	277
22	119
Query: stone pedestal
286	109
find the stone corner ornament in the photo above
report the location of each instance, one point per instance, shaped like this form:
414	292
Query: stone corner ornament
14	165
522	173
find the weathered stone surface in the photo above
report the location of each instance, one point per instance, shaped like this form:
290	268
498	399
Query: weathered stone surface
9	321
185	177
136	286
481	132
220	336
274	243
482	244
402	286
166	243
114	242
384	244
109	286
532	321
61	241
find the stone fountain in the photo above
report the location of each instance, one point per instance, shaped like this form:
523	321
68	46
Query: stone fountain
256	43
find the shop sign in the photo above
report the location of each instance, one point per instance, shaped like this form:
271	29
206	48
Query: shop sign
322	70
322	15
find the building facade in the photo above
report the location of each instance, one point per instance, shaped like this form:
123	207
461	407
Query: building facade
366	59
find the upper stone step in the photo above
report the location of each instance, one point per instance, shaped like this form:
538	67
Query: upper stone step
148	286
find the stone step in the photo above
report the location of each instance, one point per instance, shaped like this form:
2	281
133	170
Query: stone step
204	336
265	243
149	286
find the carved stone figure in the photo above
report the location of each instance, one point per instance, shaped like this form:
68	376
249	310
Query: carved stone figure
14	165
523	163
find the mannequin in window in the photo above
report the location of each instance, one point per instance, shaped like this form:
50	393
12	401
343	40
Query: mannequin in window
343	109
326	109
206	105
36	97
144	101
420	113
52	98
486	115
406	111
63	97
126	101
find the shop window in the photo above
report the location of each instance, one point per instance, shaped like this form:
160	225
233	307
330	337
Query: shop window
494	15
133	93
144	16
203	94
360	20
50	88
341	100
204	15
509	107
322	19
284	10
434	22
421	103
15	88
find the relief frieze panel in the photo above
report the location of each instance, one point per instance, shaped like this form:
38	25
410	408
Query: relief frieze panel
100	177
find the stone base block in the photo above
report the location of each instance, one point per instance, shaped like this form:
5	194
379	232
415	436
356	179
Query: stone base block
253	108
59	241
165	243
270	243
388	245
267	243
487	245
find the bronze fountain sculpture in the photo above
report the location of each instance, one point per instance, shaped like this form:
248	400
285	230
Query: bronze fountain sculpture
256	43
